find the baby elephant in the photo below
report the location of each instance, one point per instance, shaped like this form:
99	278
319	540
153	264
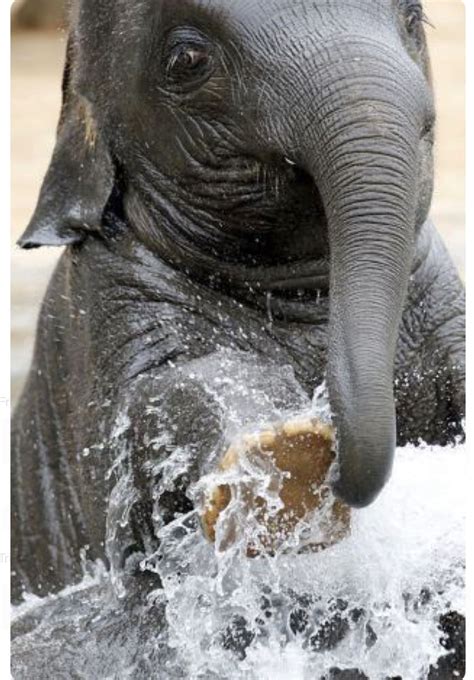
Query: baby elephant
244	192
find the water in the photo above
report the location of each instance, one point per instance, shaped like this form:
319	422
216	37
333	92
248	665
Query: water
406	548
371	602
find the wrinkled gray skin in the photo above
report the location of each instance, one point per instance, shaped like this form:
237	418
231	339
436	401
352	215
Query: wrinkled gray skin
240	175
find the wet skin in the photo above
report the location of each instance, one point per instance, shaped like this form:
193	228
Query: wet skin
243	191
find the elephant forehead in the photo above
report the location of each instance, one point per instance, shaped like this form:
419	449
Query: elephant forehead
124	21
255	14
284	26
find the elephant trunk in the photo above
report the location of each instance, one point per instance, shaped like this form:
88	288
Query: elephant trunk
370	246
366	172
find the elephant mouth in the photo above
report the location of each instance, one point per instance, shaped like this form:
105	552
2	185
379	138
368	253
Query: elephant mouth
276	242
275	252
293	223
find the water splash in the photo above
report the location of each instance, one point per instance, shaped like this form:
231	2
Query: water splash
371	602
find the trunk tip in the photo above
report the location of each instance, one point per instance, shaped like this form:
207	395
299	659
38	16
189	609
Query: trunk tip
362	478
357	496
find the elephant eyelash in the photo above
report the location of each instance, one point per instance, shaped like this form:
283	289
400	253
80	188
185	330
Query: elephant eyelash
426	20
415	15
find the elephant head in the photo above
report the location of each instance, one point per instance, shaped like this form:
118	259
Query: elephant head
253	144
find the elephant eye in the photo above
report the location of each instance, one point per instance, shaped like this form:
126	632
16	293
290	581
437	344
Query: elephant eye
188	59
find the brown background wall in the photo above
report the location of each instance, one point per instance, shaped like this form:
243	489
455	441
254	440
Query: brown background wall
38	13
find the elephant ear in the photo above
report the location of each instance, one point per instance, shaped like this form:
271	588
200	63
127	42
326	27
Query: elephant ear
80	177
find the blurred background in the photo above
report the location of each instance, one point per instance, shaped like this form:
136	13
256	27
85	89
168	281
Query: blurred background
38	45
